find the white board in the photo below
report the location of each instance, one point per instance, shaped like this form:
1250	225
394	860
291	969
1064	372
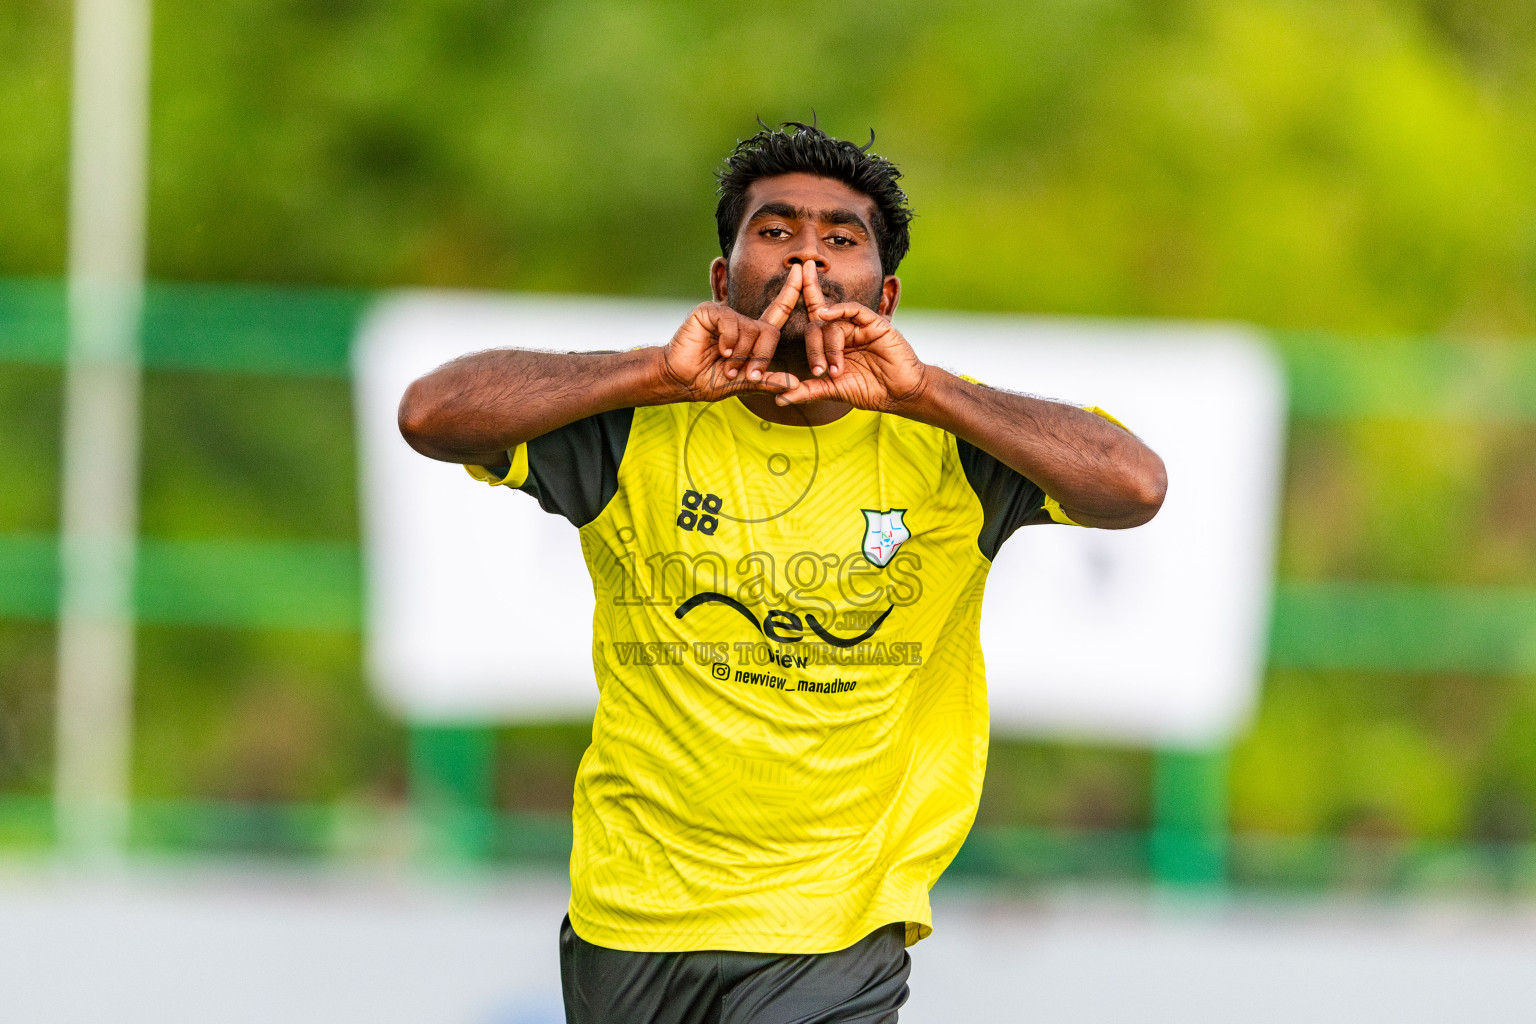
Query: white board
1153	635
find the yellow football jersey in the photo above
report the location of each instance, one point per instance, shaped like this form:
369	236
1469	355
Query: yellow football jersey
791	729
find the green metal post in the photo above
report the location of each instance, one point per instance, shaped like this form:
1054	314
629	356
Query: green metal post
1189	820
452	791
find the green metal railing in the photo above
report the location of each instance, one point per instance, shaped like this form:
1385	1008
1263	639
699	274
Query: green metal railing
476	838
318	585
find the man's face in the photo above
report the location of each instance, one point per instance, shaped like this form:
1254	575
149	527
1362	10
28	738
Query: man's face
795	218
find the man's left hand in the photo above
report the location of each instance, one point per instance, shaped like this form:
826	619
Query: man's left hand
856	356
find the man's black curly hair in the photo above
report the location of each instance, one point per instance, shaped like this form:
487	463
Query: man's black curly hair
810	150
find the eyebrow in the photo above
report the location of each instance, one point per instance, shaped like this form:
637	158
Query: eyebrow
837	215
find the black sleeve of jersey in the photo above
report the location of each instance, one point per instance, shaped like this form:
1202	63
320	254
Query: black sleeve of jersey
574	471
1009	499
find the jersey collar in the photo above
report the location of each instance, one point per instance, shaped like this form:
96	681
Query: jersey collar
845	428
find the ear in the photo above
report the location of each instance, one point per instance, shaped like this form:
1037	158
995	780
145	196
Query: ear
719	277
890	295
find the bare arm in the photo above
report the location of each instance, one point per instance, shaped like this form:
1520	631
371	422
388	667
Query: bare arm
477	408
1102	475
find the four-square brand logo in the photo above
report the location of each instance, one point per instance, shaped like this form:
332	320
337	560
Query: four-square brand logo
699	511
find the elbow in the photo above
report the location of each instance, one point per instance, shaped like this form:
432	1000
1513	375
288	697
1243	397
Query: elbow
1137	496
437	423
1131	496
1147	490
420	416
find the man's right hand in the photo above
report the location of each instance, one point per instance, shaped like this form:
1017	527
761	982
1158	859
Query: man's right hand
718	352
481	406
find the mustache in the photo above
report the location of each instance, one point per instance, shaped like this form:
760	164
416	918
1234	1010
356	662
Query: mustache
834	291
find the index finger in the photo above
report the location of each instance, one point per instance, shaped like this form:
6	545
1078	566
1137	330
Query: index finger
811	288
778	311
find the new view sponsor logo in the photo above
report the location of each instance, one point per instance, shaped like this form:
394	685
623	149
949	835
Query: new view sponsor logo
750	678
773	682
782	626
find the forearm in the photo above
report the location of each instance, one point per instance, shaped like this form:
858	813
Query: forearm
1102	475
476	408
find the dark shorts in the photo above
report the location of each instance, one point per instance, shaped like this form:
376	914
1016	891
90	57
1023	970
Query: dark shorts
863	984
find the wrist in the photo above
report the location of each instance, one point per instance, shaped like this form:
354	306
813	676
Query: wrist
924	401
654	383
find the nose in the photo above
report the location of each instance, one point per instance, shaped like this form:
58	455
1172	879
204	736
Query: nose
807	250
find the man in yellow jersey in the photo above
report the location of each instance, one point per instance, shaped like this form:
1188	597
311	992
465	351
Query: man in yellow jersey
788	518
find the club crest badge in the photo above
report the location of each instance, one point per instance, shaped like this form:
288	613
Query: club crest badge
884	532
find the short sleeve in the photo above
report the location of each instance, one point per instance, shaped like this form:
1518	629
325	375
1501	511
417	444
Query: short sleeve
572	471
1009	499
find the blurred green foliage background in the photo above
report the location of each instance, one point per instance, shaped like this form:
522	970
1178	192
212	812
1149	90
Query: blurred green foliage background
1363	167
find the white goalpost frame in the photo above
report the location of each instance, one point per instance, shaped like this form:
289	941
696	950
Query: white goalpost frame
100	475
